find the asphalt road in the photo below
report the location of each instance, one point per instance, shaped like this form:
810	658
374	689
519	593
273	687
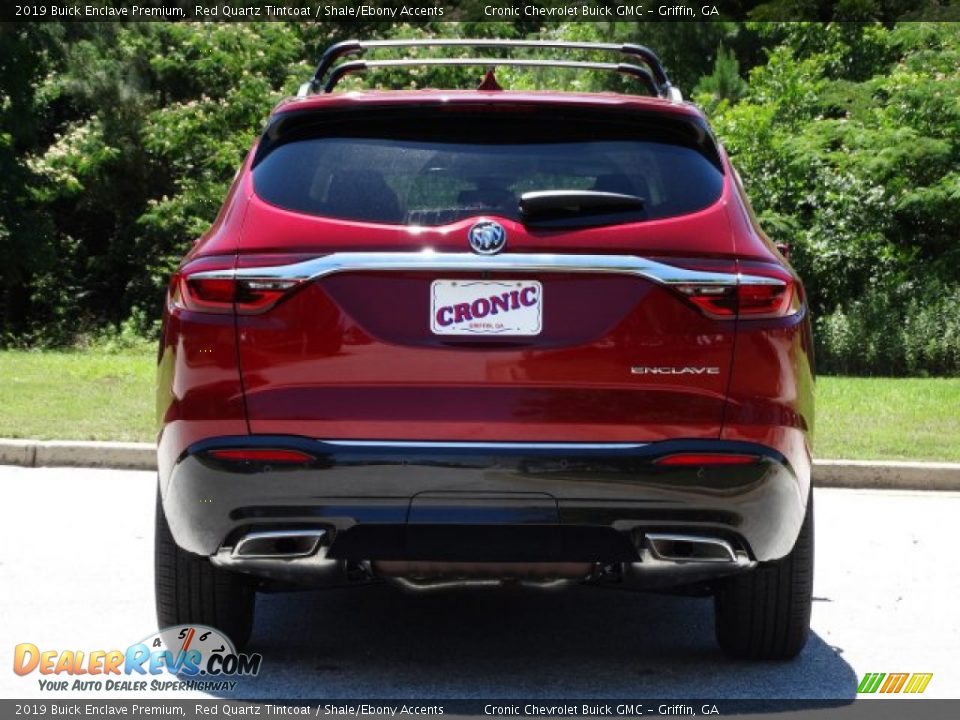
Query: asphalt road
76	573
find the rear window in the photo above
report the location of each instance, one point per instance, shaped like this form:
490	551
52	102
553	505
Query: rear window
443	169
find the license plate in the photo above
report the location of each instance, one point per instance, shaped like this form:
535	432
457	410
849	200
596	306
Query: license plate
486	307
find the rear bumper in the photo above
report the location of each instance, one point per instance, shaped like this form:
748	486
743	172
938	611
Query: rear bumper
485	502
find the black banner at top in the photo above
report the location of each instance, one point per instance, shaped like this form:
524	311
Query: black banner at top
419	11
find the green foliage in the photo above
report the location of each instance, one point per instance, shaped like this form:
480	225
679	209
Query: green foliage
724	83
903	332
161	116
848	141
27	54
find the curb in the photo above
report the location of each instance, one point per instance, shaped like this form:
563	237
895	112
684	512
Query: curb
886	475
863	474
79	453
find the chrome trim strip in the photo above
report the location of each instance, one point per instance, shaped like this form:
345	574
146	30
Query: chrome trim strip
468	445
428	260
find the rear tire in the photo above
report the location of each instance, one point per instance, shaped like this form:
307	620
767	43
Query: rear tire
190	590
764	614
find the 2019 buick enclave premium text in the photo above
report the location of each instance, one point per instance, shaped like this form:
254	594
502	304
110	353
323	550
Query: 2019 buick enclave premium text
443	336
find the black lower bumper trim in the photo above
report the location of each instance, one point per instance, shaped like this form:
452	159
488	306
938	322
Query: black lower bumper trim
483	543
485	502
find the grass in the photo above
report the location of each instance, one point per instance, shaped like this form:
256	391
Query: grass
77	395
95	395
888	418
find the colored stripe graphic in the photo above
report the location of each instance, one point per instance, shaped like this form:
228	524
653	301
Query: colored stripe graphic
894	683
918	682
870	682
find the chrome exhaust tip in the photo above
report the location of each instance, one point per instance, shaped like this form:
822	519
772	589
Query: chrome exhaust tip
690	548
278	544
296	556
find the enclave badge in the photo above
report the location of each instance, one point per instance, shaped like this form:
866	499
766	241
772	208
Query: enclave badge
671	370
487	237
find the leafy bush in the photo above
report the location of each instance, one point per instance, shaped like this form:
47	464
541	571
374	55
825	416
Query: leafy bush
890	333
848	140
893	332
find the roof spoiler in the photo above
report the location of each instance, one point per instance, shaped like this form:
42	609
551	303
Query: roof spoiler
328	73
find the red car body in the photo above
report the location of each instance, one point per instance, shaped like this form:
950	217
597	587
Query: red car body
768	401
702	407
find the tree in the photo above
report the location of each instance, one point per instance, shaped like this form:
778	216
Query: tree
724	82
848	140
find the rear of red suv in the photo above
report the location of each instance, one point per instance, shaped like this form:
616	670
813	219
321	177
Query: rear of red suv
452	336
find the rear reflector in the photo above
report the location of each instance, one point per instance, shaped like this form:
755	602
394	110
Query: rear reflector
263	455
706	459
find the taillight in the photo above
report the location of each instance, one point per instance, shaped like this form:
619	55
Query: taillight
766	300
210	286
202	295
716	300
755	291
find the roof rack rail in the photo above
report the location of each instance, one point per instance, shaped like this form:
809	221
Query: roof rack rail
357	66
659	85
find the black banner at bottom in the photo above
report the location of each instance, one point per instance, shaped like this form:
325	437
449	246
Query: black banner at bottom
874	709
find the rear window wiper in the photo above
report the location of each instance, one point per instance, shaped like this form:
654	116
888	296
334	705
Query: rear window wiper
559	205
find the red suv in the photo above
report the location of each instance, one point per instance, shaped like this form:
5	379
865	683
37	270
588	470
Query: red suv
453	336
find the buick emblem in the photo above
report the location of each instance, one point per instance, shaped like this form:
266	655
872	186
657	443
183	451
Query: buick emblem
487	237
